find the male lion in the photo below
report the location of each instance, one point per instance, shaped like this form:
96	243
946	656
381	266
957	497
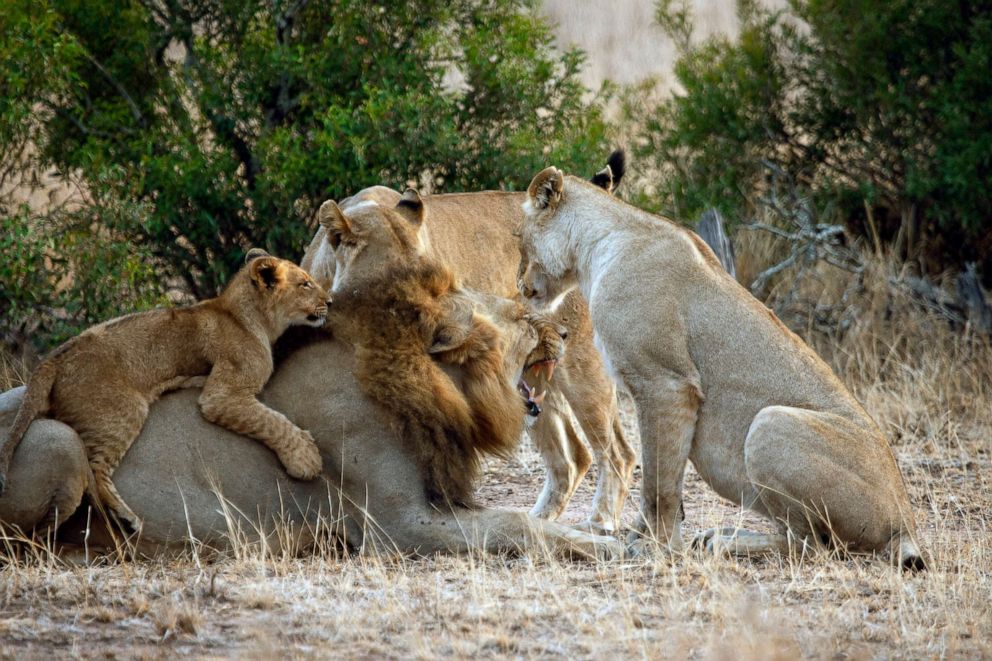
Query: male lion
406	316
476	233
102	382
717	379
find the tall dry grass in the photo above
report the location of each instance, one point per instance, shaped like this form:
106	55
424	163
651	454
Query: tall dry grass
927	385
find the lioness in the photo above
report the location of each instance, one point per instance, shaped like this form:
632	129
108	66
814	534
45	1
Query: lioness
103	381
476	234
193	481
717	379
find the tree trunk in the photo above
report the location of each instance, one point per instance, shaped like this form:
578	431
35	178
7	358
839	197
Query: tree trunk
710	229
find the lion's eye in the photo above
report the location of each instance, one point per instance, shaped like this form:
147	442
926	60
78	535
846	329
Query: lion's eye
306	284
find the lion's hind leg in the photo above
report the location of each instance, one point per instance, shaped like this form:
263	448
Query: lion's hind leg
108	432
566	459
830	480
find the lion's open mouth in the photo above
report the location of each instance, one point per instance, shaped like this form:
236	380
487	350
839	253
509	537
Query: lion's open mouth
317	319
542	369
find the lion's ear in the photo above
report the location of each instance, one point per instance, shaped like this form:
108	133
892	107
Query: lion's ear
411	206
604	179
609	177
255	253
334	222
454	327
265	272
545	189
447	338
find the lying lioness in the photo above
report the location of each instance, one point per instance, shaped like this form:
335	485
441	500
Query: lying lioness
102	382
717	379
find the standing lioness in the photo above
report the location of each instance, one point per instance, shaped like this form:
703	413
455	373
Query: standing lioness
717	379
102	382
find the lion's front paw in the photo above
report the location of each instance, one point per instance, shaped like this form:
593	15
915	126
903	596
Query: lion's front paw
302	458
641	546
609	548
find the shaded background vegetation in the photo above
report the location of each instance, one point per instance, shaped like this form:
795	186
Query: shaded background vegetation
195	130
216	126
880	112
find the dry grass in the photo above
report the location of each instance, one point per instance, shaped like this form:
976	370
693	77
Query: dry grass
929	388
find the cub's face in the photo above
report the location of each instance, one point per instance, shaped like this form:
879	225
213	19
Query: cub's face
542	291
290	296
547	272
367	239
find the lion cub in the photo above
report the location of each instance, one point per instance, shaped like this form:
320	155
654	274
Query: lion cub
102	382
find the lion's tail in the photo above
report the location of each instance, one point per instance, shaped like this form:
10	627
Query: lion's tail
906	553
36	401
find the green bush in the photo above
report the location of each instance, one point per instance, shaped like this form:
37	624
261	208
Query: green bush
65	267
884	107
67	270
234	120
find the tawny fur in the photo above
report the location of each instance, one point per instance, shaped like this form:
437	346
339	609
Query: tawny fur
102	382
717	379
476	234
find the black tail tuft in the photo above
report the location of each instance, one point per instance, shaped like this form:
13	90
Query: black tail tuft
913	563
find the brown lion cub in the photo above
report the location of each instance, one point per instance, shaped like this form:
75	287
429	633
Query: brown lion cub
102	382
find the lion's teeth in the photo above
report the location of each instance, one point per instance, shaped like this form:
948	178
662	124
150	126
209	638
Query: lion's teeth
539	399
551	368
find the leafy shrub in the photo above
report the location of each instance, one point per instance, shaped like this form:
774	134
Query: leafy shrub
883	107
67	270
64	267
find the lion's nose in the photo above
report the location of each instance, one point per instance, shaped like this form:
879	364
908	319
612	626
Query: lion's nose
330	299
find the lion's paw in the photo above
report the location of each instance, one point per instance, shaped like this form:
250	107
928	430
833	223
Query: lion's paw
594	547
641	547
302	459
596	528
610	548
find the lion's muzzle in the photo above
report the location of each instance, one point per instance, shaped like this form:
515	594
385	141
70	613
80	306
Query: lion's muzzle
540	373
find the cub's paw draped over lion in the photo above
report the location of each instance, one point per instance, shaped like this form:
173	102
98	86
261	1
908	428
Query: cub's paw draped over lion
102	382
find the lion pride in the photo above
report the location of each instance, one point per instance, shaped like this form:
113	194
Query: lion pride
477	234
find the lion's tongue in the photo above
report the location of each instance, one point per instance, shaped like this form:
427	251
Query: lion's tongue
543	370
